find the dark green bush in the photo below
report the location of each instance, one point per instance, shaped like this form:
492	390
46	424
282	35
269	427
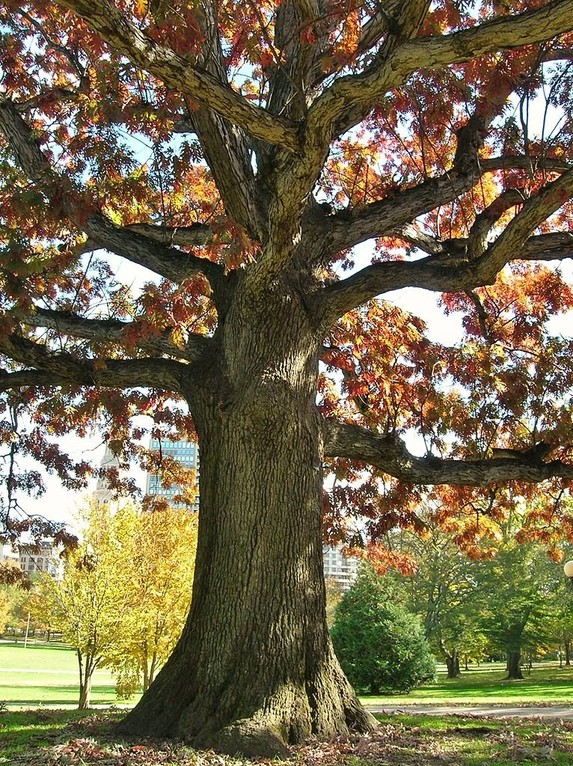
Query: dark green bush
380	645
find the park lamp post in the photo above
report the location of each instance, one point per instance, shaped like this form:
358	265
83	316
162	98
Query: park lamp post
568	569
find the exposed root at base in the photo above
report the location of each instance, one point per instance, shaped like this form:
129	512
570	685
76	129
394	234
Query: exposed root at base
248	738
261	736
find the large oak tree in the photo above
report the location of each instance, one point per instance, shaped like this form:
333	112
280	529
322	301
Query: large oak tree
238	152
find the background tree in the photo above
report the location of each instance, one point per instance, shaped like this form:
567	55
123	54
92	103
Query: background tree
238	152
157	559
445	593
519	603
334	594
380	645
89	603
125	592
14	586
564	620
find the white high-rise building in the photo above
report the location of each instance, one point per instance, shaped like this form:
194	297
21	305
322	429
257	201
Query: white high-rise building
340	568
103	493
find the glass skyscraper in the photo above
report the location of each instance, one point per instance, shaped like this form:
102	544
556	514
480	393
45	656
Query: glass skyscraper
186	453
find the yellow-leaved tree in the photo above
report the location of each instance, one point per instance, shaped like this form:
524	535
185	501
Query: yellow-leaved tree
125	591
158	564
89	603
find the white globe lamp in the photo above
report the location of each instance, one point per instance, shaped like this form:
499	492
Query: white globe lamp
568	568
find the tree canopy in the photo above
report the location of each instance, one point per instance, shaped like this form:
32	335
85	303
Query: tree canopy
185	188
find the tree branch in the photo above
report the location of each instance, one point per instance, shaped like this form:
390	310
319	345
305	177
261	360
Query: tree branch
393	215
290	83
452	272
225	146
65	369
195	235
383	217
178	73
477	241
548	247
391	456
10	381
168	262
378	26
115	331
556	246
402	25
128	243
534	211
351	98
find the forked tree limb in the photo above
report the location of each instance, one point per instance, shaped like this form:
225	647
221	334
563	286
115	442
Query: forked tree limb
390	455
442	273
180	74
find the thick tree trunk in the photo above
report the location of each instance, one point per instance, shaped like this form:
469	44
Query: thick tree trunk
567	645
254	669
453	665
514	666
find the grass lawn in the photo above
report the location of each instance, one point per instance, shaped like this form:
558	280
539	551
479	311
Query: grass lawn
47	675
43	674
547	683
56	737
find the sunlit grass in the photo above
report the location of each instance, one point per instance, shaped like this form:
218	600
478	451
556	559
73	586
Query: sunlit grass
33	737
547	683
477	742
47	675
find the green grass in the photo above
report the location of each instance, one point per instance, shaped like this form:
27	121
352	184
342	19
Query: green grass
47	675
477	742
23	732
37	737
547	683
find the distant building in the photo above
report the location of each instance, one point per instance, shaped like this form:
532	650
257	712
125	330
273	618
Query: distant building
187	453
43	557
103	493
340	568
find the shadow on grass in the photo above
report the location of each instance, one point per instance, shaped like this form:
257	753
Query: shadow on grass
26	731
32	696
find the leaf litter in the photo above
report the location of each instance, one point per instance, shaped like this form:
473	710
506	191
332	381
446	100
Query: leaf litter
91	742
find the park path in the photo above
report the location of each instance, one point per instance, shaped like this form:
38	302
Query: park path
548	712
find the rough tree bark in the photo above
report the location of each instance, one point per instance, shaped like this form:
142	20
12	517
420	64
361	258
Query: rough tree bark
514	666
254	668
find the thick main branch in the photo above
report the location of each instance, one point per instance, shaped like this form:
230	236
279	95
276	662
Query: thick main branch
179	73
391	456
